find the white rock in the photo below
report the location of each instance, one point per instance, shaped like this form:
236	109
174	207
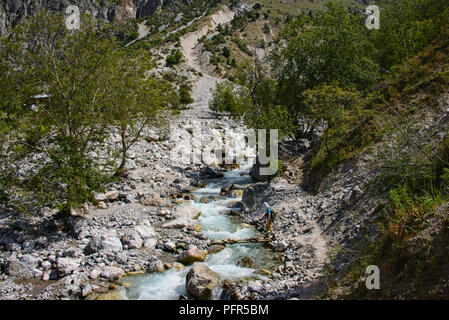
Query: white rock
102	205
66	266
133	239
150	243
112	273
187	212
100	197
46	265
255	286
181	223
112	195
112	244
94	274
37	273
145	231
156	266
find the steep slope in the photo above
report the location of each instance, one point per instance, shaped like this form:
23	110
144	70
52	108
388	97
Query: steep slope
14	11
385	206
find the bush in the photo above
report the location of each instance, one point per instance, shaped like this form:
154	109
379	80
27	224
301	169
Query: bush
224	99
184	94
226	52
174	58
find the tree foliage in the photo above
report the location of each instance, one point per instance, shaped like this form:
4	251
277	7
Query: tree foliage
52	143
406	27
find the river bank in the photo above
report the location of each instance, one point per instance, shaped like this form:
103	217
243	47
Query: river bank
121	232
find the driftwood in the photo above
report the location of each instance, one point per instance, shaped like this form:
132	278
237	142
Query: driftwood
233	241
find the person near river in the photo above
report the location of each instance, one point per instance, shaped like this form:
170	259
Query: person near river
269	215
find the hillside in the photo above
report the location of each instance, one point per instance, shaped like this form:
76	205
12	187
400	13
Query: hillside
411	221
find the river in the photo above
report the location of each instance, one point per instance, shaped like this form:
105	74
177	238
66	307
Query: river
216	223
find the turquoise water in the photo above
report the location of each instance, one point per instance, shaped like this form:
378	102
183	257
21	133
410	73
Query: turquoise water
216	224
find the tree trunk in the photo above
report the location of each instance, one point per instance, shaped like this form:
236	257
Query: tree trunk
121	169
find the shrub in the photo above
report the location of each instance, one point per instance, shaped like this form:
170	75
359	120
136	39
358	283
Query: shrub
184	94
174	58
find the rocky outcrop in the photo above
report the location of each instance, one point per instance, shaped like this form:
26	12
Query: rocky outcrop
14	11
201	281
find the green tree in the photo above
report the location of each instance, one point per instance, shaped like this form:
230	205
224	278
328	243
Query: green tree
58	137
406	27
329	105
51	151
137	100
226	52
329	48
253	101
184	94
174	58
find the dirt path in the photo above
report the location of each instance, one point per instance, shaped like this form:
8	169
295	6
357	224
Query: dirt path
184	26
191	40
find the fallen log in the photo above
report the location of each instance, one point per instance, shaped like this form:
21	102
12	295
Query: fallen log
233	241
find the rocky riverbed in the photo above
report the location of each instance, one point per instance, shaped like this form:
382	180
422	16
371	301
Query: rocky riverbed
132	227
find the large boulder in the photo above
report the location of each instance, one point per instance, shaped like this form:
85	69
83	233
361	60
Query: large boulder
181	223
112	195
15	268
252	194
104	241
192	255
209	173
187	212
145	231
151	199
201	281
66	266
227	189
132	239
112	243
185	217
150	243
112	273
